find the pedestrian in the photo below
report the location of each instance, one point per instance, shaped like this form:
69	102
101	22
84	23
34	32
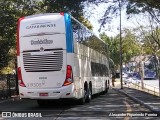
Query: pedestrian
113	78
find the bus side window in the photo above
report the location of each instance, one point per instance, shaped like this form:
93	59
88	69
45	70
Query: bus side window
75	30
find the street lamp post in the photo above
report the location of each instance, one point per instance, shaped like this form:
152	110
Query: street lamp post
120	24
159	73
142	68
142	77
158	67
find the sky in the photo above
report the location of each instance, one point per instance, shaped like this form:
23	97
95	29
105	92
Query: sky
96	12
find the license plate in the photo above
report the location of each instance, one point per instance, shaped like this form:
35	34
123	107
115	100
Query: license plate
43	94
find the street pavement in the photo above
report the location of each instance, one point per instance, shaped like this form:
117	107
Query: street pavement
150	101
117	101
111	106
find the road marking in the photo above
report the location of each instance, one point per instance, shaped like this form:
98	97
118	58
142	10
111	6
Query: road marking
129	109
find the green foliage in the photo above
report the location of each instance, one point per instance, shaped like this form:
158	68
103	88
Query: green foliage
112	9
130	46
137	6
151	38
10	11
152	42
7	31
75	8
113	46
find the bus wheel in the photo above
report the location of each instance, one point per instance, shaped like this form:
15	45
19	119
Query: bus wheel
83	99
41	102
106	89
89	95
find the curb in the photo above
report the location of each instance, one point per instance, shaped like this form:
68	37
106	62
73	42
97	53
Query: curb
138	101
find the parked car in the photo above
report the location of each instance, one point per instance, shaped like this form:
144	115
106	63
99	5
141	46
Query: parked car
132	78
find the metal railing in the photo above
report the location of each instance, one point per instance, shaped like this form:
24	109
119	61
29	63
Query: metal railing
147	88
7	86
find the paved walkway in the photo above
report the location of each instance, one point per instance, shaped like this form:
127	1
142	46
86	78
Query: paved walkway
150	101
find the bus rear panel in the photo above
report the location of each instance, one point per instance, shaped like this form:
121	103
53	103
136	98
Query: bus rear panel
42	50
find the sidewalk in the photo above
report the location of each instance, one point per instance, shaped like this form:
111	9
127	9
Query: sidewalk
12	98
150	101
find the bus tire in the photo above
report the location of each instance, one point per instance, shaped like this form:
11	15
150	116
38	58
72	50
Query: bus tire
83	99
106	88
89	95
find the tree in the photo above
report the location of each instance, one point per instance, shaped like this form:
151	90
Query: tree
7	31
113	46
149	36
130	46
131	6
150	46
147	7
142	6
75	8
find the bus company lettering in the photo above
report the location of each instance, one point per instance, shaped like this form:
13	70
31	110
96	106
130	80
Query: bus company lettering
39	42
40	25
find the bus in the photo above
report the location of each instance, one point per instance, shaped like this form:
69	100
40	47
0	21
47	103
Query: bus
59	58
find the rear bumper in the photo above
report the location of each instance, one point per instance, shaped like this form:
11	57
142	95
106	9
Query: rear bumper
55	93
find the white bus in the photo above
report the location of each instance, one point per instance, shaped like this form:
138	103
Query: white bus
60	58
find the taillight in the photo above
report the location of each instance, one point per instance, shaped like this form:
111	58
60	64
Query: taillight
20	81
69	76
62	13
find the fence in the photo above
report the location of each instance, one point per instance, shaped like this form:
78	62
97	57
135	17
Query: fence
146	88
8	85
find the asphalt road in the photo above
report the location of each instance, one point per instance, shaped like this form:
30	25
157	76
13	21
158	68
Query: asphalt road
111	106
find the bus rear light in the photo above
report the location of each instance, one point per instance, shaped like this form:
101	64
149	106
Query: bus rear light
20	81
62	13
69	76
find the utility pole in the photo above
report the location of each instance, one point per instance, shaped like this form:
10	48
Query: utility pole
120	25
142	77
142	67
159	73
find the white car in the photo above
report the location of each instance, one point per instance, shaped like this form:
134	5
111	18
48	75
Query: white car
131	79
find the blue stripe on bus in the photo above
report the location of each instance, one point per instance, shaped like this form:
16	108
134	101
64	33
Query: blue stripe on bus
69	33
